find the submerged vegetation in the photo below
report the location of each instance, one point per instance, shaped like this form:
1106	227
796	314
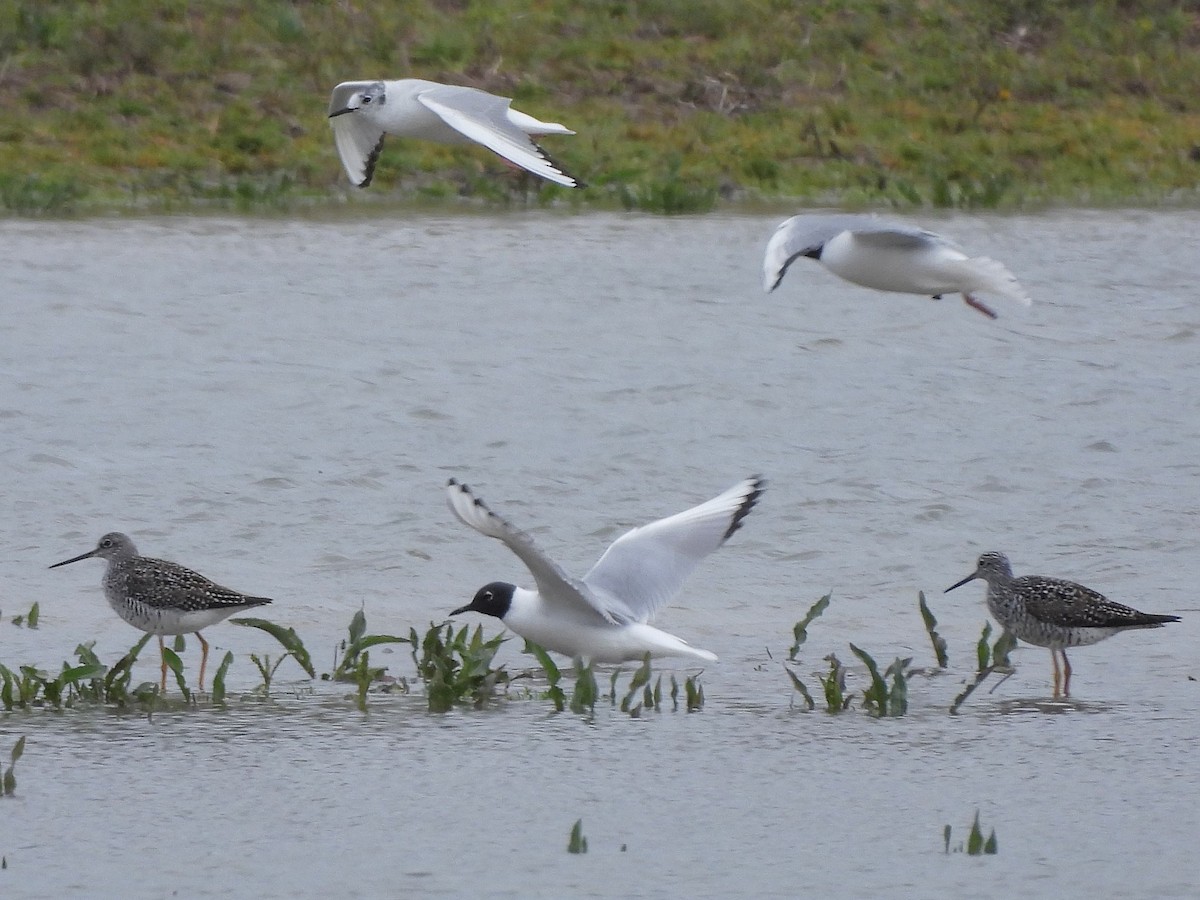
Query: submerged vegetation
975	844
455	668
884	698
8	784
577	843
120	103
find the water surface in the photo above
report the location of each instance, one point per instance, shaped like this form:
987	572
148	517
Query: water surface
277	403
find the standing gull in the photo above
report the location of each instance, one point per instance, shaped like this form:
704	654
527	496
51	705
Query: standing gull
887	256
604	617
363	112
1054	613
161	597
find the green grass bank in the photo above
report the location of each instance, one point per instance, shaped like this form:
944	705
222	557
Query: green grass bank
679	105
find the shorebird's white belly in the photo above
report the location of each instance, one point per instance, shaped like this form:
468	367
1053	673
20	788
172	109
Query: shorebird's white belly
155	620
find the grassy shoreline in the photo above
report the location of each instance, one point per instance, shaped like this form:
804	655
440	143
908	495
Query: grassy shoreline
679	106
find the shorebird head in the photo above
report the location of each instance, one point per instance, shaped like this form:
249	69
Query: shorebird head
992	566
111	546
353	95
492	600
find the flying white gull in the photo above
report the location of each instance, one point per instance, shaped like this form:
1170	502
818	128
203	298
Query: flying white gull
363	112
604	617
887	256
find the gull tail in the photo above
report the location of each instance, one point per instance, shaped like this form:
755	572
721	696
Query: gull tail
530	125
660	643
990	276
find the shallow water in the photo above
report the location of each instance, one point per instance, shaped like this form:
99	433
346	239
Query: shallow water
277	403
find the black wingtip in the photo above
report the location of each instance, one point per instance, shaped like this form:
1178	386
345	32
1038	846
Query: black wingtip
758	485
372	158
550	159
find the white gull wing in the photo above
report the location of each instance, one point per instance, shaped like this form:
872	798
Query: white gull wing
485	118
554	585
359	142
645	568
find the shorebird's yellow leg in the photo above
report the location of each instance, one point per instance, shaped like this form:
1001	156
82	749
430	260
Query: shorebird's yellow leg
203	657
162	654
1066	674
1057	674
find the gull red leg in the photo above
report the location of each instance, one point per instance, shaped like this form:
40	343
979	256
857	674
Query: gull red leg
975	303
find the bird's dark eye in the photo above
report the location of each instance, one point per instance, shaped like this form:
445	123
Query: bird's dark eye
487	595
106	543
366	100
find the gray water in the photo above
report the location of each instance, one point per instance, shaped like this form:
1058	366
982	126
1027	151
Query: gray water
278	403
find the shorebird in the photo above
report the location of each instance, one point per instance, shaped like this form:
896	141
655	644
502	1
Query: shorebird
604	617
887	256
1053	612
162	597
363	112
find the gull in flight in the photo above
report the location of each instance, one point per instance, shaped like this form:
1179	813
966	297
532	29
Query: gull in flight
887	256
604	616
363	112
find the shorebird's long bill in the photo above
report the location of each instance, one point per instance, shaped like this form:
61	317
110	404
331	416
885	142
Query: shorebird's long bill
67	562
959	584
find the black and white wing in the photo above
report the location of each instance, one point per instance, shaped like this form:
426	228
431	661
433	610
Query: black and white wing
646	567
552	582
484	118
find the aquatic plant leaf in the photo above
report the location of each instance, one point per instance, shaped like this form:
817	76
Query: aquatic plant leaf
875	697
358	626
946	837
800	629
641	677
983	650
577	843
288	639
939	642
585	692
175	664
1000	650
975	838
374	640
800	687
76	674
35	613
218	682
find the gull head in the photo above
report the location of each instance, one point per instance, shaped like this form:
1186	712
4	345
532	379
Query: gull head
992	566
112	546
492	600
354	95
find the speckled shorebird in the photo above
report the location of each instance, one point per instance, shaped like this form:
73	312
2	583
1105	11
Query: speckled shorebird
1053	612
162	597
